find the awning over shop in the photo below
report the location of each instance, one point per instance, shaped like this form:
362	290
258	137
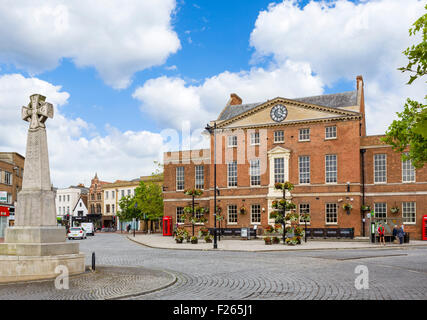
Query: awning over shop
4	211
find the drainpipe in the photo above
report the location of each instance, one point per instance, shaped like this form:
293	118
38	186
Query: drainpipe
362	153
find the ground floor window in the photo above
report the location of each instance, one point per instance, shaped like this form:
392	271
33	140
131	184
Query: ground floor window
304	208
255	213
380	210
180	215
232	214
331	213
408	212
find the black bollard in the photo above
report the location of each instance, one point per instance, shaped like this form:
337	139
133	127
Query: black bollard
93	261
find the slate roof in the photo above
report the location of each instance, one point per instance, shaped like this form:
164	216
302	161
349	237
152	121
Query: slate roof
336	100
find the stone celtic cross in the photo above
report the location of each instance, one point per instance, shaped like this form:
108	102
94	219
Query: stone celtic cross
37	111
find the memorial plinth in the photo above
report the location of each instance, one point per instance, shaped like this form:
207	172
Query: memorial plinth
35	246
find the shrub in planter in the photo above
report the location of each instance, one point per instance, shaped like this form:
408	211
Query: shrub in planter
208	239
179	239
267	240
194	240
276	240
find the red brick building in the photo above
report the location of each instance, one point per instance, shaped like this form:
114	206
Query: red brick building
317	143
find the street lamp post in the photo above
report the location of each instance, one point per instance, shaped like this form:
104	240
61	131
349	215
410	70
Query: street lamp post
211	130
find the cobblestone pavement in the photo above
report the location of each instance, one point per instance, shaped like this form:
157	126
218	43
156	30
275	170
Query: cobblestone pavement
104	283
327	274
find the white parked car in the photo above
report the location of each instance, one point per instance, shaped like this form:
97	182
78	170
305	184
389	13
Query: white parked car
76	232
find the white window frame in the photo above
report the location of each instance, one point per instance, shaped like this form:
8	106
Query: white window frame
199	177
377	204
380	170
299	210
178	218
232	141
180	178
414	213
328	167
326	213
8	176
304	175
276	136
255	172
333	131
232	174
303	133
234	214
408	167
277	170
254	138
255	213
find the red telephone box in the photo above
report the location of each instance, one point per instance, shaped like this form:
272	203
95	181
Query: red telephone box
167	226
424	228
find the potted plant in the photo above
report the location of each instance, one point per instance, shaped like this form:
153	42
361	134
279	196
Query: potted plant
267	240
276	240
208	238
242	210
194	240
394	209
179	239
204	232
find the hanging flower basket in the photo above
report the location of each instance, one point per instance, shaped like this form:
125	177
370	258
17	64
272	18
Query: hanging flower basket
284	186
193	192
269	229
394	209
365	208
242	210
347	206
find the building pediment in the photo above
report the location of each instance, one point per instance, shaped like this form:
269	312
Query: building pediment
278	150
297	111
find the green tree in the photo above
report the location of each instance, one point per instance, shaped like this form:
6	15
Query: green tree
410	130
149	198
128	211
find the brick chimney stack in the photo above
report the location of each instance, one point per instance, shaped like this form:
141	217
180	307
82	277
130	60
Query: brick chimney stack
234	100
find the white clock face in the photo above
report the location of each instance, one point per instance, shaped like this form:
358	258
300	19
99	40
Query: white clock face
278	113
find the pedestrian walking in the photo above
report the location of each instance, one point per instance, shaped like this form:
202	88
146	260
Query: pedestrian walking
395	233
381	232
400	234
128	228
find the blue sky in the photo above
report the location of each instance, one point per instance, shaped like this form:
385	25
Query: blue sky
120	75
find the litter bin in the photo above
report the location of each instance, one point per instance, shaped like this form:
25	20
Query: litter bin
406	237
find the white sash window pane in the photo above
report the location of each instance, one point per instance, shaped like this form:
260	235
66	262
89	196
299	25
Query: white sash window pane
255	172
331	168
232	173
180	178
380	168
279	170
304	169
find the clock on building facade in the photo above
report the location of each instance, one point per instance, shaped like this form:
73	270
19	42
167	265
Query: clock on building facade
279	113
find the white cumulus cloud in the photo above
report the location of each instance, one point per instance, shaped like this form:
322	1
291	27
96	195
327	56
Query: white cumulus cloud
73	157
118	38
341	39
173	101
